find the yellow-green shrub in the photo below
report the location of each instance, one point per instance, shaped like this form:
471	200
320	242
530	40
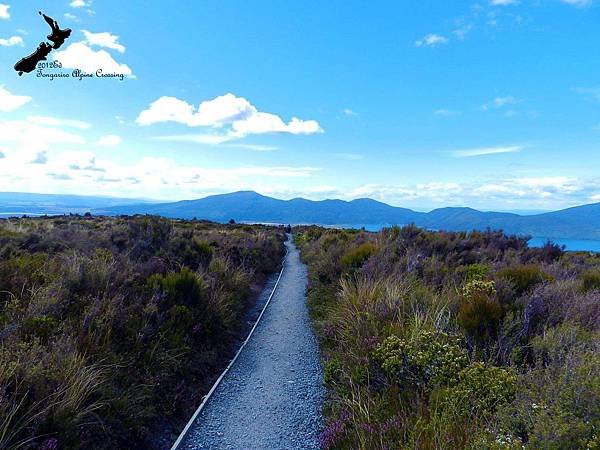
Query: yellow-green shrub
357	256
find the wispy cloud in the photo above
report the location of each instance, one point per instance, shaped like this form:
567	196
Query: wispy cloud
11	41
593	93
500	102
545	192
578	3
446	112
253	147
10	102
56	122
503	2
467	153
348	156
431	40
109	140
462	31
349	112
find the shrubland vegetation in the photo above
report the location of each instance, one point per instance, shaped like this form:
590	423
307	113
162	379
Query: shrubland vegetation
435	340
112	329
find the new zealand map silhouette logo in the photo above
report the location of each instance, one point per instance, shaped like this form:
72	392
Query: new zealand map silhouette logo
57	38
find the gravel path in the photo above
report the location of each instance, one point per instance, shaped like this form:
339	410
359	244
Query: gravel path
272	396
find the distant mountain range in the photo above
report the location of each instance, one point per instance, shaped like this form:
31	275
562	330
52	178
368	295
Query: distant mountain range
19	203
580	222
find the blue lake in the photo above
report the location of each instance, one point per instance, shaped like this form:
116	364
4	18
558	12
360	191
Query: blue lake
586	245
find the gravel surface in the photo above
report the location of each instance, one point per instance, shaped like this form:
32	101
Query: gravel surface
272	396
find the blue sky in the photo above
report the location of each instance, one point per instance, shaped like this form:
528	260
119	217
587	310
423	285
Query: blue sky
491	104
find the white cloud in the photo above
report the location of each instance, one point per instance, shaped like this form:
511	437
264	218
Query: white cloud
253	147
80	4
486	151
161	178
431	40
110	140
503	2
55	122
72	17
215	113
4	14
461	32
10	102
348	156
11	41
236	114
262	123
500	102
24	141
349	112
103	39
545	192
208	139
446	112
80	56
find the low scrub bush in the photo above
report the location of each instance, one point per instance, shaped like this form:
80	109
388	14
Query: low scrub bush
428	358
112	329
524	277
357	256
479	312
440	340
590	280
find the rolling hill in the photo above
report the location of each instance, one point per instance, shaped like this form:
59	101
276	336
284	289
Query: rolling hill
581	222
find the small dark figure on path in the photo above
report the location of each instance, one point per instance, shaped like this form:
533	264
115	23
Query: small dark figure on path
58	36
29	63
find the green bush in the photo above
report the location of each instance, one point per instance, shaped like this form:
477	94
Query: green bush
427	358
39	327
479	391
524	276
178	324
557	404
479	311
476	271
331	370
204	251
357	256
183	287
591	280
